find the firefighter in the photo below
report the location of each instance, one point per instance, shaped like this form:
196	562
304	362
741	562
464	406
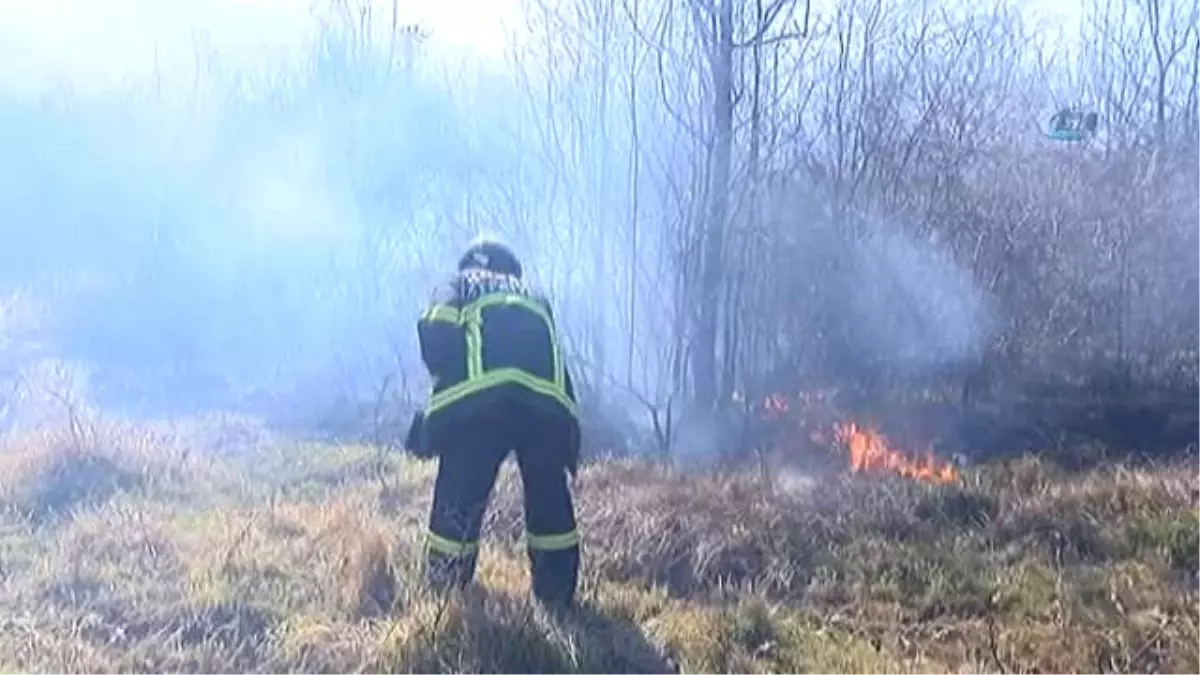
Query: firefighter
499	385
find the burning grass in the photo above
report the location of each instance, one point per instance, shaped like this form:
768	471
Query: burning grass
306	559
871	451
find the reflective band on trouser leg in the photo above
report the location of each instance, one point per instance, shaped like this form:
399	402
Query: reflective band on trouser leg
448	563
449	547
554	562
553	542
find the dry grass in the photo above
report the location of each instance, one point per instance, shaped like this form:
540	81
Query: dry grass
119	551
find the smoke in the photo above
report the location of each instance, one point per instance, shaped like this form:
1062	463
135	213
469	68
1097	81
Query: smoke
896	304
913	306
206	226
259	231
213	242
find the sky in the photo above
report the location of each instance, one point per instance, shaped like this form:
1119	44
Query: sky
103	43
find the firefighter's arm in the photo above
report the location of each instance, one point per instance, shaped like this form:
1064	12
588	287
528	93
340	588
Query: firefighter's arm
414	441
574	443
441	334
568	384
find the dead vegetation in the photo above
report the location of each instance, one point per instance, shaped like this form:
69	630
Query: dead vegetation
124	554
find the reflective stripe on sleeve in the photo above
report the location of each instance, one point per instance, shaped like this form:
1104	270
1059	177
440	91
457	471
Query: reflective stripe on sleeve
441	313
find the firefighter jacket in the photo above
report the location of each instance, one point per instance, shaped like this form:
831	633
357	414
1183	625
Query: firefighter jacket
488	337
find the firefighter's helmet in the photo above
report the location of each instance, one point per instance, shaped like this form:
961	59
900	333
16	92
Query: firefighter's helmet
487	253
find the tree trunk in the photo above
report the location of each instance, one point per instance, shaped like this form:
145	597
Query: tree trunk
704	356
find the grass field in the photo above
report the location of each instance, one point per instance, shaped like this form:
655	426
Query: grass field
120	550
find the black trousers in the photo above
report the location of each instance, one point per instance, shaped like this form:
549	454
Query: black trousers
467	467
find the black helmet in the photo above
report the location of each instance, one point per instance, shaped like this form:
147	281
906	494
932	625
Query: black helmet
489	254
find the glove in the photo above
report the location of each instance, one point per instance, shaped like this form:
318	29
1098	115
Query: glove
414	441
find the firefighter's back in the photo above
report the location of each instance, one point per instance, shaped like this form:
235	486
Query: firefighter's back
511	355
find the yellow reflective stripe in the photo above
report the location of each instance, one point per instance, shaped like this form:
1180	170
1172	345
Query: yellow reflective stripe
552	542
472	316
448	546
441	313
474	334
454	393
560	371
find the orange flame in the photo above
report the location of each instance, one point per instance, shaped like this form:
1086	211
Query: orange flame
870	450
